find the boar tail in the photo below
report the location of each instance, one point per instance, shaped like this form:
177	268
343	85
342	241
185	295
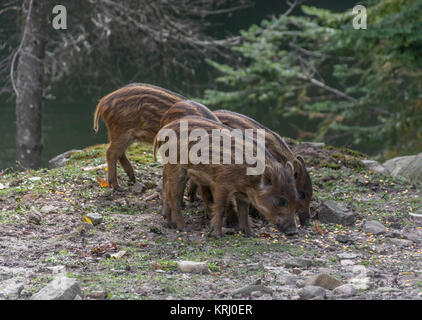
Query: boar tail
97	116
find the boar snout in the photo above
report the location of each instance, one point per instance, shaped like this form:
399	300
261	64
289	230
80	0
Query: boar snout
288	228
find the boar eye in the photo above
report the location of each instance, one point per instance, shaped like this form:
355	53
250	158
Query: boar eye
282	202
302	195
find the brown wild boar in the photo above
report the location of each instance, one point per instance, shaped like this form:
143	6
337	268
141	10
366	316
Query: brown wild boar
280	151
177	111
273	192
131	113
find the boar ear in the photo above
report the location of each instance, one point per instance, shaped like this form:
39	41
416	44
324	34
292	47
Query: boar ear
297	165
302	161
289	168
266	179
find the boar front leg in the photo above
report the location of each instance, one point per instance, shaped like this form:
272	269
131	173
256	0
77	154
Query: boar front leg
243	214
166	211
221	196
175	186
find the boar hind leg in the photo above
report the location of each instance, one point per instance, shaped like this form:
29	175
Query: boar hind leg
191	190
243	210
206	197
232	220
124	162
115	152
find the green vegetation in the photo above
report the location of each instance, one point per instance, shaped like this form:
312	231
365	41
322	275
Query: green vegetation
356	86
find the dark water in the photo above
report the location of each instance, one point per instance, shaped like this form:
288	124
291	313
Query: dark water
68	120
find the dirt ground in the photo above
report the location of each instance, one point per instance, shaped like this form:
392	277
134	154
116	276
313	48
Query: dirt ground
131	254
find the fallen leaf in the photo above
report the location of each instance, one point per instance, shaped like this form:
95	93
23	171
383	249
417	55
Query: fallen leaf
86	220
103	248
103	183
155	265
318	228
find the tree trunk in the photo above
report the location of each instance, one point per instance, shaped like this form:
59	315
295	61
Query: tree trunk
29	85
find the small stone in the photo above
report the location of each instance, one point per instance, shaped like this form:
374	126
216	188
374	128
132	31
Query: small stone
247	290
296	271
296	262
401	242
347	255
332	212
309	292
193	267
138	188
375	166
344	238
346	290
95	218
323	280
48	209
61	159
61	288
347	262
57	269
10	289
360	282
374	227
34	216
316	144
98	295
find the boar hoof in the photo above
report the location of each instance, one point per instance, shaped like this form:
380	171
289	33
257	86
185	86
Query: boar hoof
304	220
249	234
216	234
118	189
171	225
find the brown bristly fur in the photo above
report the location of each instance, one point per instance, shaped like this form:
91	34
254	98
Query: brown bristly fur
227	181
280	150
131	113
176	112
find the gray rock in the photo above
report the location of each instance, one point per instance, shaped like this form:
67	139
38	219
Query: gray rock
34	216
332	212
61	288
10	289
193	267
347	255
48	209
344	238
57	269
95	218
375	166
247	290
360	282
409	167
138	188
323	280
316	144
61	159
297	262
346	290
401	242
347	262
309	292
373	226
